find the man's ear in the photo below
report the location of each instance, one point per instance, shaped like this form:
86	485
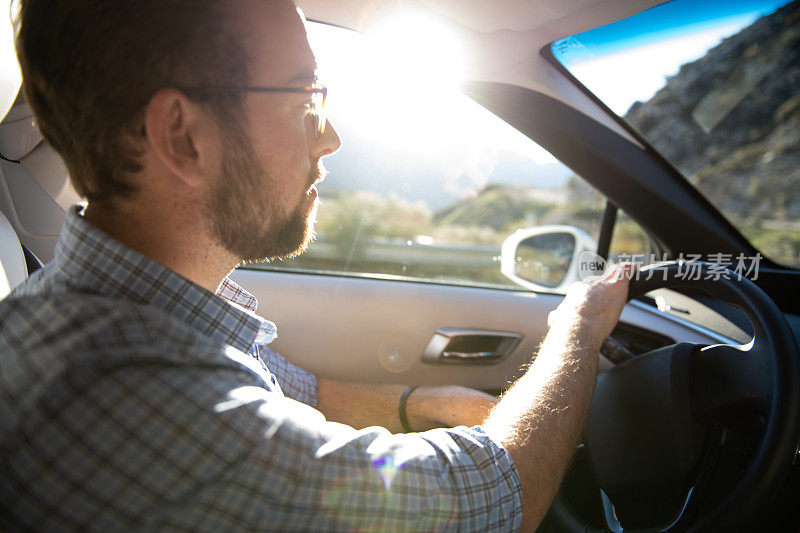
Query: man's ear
180	133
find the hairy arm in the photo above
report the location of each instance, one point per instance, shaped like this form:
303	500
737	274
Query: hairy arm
362	405
540	419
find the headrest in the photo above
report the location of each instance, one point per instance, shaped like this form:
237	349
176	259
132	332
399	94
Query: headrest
18	132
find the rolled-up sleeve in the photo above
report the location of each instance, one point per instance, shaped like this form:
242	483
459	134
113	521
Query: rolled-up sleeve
370	480
297	472
192	449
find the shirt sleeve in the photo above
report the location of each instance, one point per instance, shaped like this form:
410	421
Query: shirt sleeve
295	382
156	448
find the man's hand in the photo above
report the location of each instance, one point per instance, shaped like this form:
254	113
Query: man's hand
540	419
596	305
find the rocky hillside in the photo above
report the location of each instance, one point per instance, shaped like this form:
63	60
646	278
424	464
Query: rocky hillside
730	121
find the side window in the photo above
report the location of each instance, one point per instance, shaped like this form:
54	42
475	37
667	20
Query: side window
629	242
428	184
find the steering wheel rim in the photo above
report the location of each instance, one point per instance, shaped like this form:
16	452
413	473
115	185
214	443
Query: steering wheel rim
773	339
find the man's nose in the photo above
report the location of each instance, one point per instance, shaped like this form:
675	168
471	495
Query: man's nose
329	143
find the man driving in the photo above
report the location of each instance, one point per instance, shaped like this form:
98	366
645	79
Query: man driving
138	387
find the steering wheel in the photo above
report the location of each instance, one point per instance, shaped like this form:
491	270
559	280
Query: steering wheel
657	423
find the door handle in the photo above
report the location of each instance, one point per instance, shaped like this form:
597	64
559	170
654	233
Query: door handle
469	346
471	355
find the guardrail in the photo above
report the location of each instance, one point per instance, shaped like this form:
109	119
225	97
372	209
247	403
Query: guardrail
383	250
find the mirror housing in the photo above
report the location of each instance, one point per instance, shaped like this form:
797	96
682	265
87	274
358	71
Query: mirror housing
549	258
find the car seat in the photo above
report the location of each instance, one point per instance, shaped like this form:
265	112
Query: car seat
35	191
13	267
18	138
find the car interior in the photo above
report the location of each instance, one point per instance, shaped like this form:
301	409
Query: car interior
696	422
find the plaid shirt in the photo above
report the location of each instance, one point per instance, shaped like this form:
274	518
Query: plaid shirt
133	399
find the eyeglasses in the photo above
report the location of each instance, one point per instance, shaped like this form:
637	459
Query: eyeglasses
319	93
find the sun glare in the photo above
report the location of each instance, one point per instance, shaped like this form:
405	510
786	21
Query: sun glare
394	76
419	54
400	81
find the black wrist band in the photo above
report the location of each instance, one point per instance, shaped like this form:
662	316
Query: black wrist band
401	409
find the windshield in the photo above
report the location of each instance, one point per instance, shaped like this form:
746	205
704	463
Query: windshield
714	86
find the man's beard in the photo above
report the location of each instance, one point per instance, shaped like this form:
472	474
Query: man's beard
244	221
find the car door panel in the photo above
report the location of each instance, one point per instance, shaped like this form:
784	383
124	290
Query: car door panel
376	330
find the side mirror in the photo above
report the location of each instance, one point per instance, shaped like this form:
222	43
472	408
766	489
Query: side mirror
549	258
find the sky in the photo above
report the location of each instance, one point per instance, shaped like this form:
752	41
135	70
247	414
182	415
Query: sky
653	45
672	19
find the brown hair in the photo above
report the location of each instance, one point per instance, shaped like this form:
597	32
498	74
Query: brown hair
91	66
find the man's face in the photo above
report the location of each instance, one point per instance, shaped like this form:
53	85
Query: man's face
263	203
241	209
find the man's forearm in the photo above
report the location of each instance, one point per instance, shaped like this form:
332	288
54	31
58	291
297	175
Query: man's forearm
540	419
362	405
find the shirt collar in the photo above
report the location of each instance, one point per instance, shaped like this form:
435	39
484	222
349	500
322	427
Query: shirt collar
94	262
